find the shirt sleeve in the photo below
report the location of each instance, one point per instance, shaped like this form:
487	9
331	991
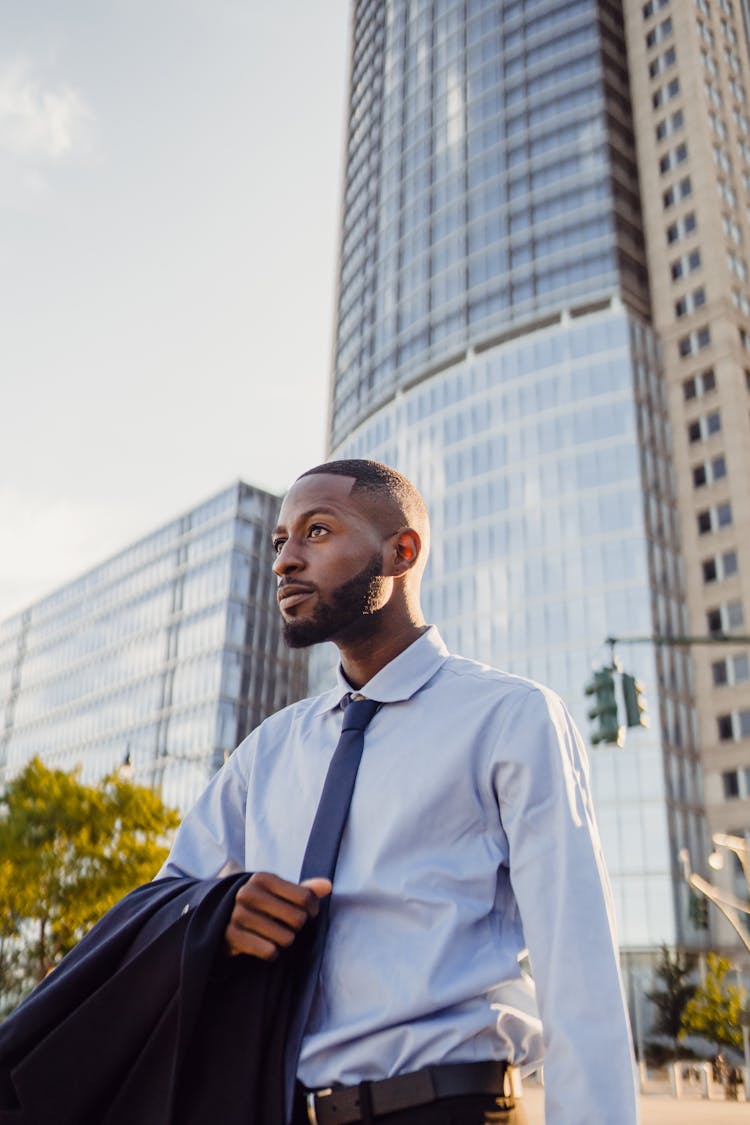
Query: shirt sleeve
211	838
564	898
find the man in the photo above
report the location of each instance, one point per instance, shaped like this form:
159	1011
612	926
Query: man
470	837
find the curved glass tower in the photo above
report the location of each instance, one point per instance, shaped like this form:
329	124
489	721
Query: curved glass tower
493	342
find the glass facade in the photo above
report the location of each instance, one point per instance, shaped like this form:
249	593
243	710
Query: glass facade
533	457
165	655
494	344
490	178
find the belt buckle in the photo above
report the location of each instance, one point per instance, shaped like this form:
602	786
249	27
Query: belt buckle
310	1096
312	1116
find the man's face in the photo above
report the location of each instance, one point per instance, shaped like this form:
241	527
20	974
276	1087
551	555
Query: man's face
329	562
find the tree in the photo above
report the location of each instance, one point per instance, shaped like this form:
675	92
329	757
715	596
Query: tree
714	1010
68	852
670	1001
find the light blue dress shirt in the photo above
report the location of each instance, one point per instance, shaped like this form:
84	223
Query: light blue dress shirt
470	838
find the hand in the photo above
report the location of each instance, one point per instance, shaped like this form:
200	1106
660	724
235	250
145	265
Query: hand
269	912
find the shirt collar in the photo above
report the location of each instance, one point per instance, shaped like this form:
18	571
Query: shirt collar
399	680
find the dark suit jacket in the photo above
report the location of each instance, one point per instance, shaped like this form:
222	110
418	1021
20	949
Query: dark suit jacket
147	1022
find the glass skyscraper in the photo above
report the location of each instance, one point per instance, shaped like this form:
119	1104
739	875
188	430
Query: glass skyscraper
161	659
494	343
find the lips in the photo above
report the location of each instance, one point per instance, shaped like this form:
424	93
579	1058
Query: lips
293	594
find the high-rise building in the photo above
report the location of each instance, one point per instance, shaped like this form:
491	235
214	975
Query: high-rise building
495	342
690	81
161	659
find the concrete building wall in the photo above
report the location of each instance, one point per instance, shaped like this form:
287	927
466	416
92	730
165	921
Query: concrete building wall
690	83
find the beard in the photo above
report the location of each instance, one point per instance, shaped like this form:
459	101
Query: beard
347	611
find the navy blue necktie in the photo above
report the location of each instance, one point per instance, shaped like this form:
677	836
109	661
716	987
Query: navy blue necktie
320	859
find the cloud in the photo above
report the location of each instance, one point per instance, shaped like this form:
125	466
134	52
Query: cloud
38	121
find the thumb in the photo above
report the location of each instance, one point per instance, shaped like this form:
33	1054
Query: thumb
320	887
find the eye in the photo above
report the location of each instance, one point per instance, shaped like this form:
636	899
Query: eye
317	530
277	544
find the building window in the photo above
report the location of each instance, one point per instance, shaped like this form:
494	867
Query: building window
727	193
729	563
731	228
662	63
719	567
714	96
682	227
729	33
730	783
659	33
653	6
665	93
704	427
694	342
732	670
741	121
741	301
690	302
737	265
731	60
705	33
688	263
677	192
734	726
702	383
714	518
738	90
708	472
670	125
721	159
673	158
725	618
722	513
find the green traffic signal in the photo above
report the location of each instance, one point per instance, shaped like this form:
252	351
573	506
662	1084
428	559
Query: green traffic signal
635	704
604	712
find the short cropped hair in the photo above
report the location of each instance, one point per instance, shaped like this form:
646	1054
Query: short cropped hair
381	481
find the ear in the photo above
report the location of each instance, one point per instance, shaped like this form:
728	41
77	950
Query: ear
406	547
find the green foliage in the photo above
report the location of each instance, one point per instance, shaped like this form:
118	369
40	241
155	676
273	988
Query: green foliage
698	910
714	1010
68	852
671	999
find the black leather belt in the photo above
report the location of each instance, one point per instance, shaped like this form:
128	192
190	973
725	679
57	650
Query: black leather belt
343	1106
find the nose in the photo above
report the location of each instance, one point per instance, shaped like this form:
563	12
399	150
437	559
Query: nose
288	560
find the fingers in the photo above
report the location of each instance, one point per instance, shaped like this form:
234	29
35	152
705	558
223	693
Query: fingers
269	912
320	887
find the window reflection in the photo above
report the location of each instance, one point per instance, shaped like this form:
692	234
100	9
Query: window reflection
529	456
137	655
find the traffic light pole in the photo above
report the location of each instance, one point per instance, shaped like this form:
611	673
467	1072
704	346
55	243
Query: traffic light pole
604	712
680	641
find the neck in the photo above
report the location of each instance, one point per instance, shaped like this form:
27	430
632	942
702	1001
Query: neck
363	657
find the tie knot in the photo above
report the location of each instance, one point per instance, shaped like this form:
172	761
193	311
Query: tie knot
358	713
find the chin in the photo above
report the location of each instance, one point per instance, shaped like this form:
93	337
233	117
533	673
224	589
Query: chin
303	634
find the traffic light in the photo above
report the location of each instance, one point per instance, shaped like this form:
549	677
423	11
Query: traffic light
635	704
698	910
604	712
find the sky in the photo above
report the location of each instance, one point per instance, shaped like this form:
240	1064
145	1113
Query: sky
170	189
